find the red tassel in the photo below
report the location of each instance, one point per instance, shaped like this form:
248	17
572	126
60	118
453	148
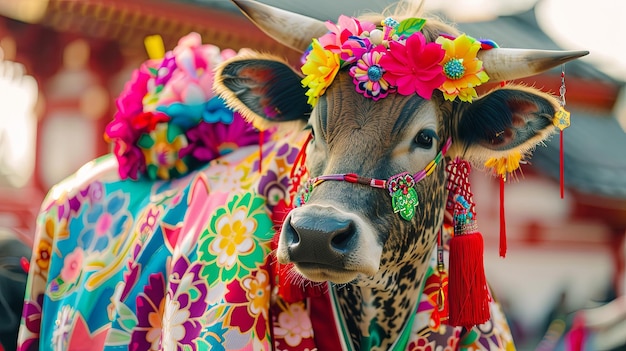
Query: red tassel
561	162
468	297
503	245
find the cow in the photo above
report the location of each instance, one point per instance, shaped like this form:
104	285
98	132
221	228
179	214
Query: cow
183	238
371	120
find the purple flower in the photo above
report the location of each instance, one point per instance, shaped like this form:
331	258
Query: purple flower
367	74
172	320
353	48
166	69
273	188
208	141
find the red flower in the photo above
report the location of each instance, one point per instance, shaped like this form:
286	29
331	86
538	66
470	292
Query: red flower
147	121
414	67
339	33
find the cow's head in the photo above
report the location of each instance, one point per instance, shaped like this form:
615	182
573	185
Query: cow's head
380	122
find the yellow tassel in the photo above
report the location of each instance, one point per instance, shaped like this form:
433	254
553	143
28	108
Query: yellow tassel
154	46
505	165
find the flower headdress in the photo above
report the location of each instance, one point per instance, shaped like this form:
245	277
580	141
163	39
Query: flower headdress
394	57
168	120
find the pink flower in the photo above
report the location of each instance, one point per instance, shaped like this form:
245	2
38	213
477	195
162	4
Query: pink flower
192	81
340	32
72	266
294	325
130	159
414	67
130	100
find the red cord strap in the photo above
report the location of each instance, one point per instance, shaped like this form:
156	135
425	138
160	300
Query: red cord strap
400	186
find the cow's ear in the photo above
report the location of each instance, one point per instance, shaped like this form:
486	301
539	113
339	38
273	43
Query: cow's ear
263	88
505	121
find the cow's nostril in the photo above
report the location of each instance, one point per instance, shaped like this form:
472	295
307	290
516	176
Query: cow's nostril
341	238
291	234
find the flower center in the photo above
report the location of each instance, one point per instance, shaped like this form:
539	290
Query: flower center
103	224
454	68
374	73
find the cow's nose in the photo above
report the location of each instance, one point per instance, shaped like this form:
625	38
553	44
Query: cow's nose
319	239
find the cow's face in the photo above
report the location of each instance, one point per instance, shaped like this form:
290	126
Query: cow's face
346	230
349	232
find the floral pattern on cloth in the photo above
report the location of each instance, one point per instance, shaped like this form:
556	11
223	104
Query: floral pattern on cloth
166	243
157	265
185	264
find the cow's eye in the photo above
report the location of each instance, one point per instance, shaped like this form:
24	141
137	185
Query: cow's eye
424	138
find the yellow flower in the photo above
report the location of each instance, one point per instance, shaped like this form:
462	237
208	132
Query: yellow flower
504	165
234	238
320	68
462	69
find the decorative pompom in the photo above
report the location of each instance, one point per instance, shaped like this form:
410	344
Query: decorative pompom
168	121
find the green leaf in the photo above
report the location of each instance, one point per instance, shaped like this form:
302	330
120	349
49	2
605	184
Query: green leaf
117	337
127	319
228	275
469	339
254	258
152	171
194	293
145	141
410	26
211	272
172	132
202	344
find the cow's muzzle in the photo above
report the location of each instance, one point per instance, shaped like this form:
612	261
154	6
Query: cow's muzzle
327	244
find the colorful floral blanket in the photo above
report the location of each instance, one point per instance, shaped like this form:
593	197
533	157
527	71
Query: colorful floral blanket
185	264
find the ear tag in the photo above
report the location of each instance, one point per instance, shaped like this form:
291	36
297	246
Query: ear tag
561	118
403	195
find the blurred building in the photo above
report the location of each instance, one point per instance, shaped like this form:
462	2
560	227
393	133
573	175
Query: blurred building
64	61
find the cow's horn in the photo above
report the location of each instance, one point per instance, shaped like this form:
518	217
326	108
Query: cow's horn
507	64
291	29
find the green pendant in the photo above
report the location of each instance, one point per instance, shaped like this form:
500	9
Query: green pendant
404	198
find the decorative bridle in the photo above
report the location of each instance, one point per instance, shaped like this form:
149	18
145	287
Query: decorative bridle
401	186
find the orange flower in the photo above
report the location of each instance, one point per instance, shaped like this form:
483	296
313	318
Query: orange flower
44	251
258	289
462	69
